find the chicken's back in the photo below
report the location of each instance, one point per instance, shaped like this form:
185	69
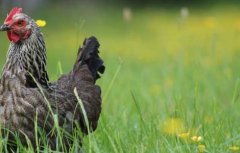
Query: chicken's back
83	76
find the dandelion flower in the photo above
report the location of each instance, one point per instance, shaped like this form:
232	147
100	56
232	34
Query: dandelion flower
210	22
173	126
184	135
196	138
201	148
234	148
41	23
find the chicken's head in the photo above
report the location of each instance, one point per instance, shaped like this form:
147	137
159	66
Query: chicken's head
18	25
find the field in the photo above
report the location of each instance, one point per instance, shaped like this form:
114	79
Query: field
171	83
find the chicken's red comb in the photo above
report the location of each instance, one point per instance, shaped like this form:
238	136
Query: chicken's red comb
14	11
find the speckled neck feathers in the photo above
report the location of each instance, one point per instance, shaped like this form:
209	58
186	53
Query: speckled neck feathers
28	57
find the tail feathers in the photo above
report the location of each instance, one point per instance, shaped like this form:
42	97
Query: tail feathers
88	54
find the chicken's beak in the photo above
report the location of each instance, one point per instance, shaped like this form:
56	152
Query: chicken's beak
5	27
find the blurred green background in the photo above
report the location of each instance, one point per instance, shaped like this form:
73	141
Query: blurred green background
172	68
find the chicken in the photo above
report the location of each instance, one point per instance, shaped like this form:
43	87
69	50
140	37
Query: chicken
26	95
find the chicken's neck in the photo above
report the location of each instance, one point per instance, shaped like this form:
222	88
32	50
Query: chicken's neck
27	57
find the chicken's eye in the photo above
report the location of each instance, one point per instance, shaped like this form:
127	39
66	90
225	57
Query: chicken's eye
20	23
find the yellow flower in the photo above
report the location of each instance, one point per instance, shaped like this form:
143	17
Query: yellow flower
234	148
41	23
237	24
210	22
173	126
196	138
184	135
201	148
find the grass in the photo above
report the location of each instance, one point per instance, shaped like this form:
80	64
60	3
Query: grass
165	77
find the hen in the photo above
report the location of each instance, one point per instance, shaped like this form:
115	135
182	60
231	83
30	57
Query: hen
27	96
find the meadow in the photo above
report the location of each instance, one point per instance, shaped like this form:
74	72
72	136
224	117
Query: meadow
171	83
